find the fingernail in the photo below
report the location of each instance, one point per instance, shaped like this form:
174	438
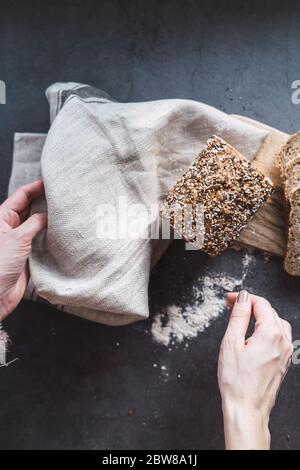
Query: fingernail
242	297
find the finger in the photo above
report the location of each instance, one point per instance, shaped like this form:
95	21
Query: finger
240	316
231	298
32	226
23	197
24	214
9	218
262	309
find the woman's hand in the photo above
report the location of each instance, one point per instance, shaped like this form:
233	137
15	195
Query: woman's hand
251	370
16	235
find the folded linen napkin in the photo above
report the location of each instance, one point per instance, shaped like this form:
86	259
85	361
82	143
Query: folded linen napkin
97	153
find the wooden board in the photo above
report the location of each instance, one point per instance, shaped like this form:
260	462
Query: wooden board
267	229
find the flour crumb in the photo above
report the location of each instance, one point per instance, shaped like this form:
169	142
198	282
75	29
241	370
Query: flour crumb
267	256
247	261
164	372
178	324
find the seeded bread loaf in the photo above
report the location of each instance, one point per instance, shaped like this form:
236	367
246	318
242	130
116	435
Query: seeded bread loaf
229	189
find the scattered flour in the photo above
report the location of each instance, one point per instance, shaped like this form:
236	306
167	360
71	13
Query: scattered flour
247	260
177	324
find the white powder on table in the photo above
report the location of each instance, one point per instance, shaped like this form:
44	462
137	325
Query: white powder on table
177	324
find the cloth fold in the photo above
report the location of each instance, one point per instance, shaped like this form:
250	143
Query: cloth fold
101	154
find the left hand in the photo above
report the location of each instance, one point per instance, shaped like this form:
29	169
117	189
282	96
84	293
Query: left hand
16	235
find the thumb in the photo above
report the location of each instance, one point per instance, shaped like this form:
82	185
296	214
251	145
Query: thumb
32	226
240	316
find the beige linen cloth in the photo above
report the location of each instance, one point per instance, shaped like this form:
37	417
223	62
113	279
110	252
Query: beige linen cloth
96	152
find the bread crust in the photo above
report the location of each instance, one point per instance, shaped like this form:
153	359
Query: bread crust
292	258
229	188
287	152
292	180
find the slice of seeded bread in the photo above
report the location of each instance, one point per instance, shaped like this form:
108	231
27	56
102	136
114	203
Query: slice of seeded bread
228	188
289	151
292	258
291	163
288	160
292	180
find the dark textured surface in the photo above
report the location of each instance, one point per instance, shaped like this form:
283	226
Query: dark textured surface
73	385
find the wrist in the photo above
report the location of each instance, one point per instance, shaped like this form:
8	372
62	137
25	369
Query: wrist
245	428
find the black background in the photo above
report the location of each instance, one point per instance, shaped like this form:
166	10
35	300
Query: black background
72	386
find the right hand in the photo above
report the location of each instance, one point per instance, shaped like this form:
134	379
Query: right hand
250	371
